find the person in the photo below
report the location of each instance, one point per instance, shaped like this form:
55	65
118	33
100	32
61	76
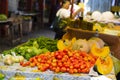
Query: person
64	12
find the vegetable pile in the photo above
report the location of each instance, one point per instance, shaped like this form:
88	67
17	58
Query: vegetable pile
34	47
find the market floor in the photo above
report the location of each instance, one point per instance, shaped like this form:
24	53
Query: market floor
39	31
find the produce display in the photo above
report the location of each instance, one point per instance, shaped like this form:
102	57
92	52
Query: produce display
73	58
105	22
63	61
34	47
64	56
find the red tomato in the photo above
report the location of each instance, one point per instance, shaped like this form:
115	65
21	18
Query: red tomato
63	69
21	63
57	69
60	64
71	71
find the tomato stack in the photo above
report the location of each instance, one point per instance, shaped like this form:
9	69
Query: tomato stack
71	61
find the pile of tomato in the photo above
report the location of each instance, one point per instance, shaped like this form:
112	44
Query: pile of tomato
63	61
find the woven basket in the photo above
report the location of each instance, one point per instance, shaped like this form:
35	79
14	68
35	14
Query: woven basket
112	41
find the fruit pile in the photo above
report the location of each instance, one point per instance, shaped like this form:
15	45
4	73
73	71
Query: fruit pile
3	17
63	61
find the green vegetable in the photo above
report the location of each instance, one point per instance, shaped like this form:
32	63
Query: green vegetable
34	47
3	17
35	44
2	76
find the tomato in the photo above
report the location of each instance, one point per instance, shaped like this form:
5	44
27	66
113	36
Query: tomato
71	67
31	60
59	57
54	60
53	68
75	70
32	64
85	70
63	69
71	71
27	63
82	66
79	70
67	69
60	64
39	59
57	69
54	64
76	66
64	59
21	63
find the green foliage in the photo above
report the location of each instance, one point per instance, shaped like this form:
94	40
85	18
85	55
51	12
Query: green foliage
34	47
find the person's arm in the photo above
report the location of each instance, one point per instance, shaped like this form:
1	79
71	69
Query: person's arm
78	11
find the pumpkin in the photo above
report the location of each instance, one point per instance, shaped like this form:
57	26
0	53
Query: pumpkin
81	44
63	44
100	52
99	41
104	65
60	45
91	42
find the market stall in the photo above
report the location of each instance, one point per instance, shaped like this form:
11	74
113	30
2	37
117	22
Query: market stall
85	52
27	68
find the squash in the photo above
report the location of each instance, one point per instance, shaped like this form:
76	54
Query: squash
104	65
99	41
60	45
81	44
91	42
65	44
100	52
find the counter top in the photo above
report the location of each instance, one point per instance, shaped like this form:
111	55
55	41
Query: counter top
32	73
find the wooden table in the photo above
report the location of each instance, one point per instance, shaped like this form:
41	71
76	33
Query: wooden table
12	36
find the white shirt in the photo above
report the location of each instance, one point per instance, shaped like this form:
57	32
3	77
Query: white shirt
63	13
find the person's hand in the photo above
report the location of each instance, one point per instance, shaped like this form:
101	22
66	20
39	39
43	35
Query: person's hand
77	12
80	10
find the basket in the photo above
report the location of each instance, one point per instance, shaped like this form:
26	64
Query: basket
111	40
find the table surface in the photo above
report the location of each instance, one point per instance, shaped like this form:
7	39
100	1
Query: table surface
6	21
28	13
31	73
